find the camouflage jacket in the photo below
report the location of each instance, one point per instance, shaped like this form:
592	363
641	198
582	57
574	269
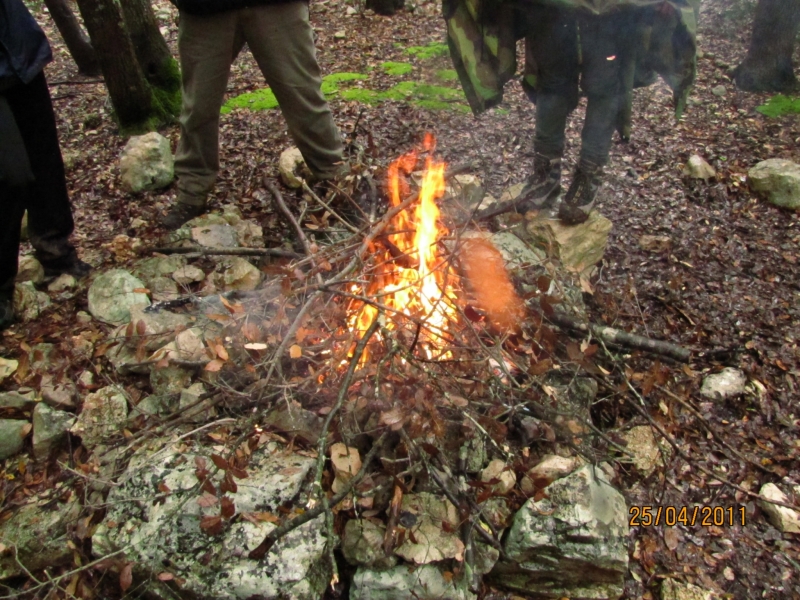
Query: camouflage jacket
482	37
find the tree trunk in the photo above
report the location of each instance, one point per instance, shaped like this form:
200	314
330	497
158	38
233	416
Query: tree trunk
768	66
152	51
79	46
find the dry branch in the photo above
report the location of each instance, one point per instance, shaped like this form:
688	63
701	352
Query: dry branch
205	251
618	337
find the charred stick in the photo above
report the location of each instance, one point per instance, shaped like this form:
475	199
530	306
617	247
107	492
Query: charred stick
203	251
610	335
261	550
399	257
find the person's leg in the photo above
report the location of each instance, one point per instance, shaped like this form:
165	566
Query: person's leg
49	212
207	47
601	79
554	48
13	202
281	40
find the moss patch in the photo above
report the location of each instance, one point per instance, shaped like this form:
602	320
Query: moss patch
397	69
780	105
263	99
330	83
447	75
432	50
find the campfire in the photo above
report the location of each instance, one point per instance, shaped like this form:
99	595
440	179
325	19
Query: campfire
409	276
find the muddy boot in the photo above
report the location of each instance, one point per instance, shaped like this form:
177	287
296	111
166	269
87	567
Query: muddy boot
581	195
180	213
543	186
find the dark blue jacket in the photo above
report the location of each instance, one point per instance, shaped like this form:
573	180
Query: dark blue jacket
24	50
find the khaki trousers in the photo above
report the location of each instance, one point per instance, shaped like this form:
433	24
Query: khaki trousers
281	40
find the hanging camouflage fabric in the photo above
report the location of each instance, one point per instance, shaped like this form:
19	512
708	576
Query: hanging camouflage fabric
482	35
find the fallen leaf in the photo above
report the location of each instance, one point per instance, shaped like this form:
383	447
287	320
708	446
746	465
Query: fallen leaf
295	351
126	577
214	365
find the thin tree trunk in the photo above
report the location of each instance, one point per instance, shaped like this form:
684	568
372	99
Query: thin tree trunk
131	94
78	44
768	66
152	51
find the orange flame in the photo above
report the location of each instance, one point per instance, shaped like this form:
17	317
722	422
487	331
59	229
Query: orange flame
423	292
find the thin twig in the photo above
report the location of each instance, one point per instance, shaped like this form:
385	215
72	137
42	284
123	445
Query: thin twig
327	207
204	251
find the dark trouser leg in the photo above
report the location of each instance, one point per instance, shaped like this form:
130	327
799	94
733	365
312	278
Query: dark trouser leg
12	200
49	213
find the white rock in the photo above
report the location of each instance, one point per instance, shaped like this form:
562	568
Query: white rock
550	468
146	163
784	519
496	469
350	11
50	428
30	269
578	247
290	162
62	283
216	236
340	35
719	91
779	180
112	295
237	274
7	367
698	168
424	583
728	383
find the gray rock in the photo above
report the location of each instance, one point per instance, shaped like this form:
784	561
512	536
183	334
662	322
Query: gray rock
401	583
160	327
146	163
719	91
192	408
50	428
647	452
655	243
158	266
779	180
30	269
362	544
12	437
168	532
550	468
571	543
293	419
103	416
169	380
163	288
7	368
28	302
698	168
188	274
112	295
728	383
16	401
60	395
578	247
671	589
784	519
39	533
428	540
215	236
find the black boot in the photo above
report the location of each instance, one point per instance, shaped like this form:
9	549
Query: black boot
6	310
180	213
543	186
581	195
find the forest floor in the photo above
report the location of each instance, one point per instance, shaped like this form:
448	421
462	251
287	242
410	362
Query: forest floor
731	279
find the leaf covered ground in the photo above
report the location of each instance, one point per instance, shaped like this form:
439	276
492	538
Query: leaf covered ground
728	281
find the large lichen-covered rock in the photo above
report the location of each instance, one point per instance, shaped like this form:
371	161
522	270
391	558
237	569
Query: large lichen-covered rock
672	589
785	520
779	180
30	269
236	273
112	294
50	428
103	416
167	532
12	437
578	247
149	269
572	542
433	536
401	583
38	531
146	163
